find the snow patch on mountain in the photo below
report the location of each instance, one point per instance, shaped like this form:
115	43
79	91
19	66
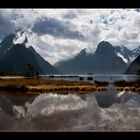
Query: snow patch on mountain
121	56
21	38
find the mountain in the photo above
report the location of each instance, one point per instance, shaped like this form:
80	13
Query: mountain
104	48
6	43
134	66
136	52
124	53
16	57
127	55
17	60
76	65
103	61
106	61
46	67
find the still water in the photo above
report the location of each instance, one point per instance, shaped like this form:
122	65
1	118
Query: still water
93	77
96	111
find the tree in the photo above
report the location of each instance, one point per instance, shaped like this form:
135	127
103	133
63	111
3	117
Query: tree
31	70
138	72
37	74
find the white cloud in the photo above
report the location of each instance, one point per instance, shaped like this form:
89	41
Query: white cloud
54	49
118	26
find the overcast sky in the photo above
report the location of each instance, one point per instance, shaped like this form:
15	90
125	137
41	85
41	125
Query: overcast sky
59	34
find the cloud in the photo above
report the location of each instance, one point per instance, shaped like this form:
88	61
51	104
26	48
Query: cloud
137	9
70	15
6	26
12	20
56	28
59	34
56	49
130	36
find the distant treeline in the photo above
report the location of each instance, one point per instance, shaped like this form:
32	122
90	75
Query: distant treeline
11	73
31	71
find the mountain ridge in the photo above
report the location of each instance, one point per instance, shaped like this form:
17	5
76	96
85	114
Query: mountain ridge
104	60
107	59
134	66
16	57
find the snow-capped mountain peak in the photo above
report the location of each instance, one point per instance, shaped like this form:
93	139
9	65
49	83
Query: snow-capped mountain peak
127	55
136	51
20	38
123	58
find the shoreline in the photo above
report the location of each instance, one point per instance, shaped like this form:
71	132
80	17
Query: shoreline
39	86
78	89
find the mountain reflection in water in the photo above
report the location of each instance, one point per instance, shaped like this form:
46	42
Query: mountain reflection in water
73	112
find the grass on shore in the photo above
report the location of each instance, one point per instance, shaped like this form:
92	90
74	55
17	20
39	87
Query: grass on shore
127	85
123	83
42	85
35	85
65	88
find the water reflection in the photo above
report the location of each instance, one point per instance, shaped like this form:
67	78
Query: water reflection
94	111
92	78
106	99
115	77
9	100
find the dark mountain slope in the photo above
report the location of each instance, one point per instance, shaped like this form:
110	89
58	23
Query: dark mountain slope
134	66
6	43
45	66
103	61
17	60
